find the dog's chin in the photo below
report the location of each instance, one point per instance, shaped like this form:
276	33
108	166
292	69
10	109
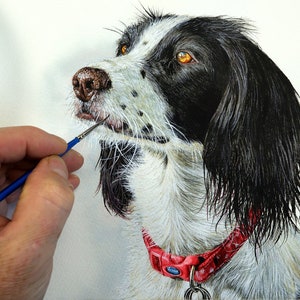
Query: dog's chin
115	125
121	128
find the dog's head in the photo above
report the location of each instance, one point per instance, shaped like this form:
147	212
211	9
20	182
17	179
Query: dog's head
177	78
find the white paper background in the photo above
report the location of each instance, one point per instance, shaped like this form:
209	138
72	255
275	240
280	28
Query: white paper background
42	44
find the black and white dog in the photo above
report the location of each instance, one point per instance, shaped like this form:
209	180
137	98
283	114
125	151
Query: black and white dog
200	151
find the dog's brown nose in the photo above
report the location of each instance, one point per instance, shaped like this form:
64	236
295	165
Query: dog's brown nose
88	81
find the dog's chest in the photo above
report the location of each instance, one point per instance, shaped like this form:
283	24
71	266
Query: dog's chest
153	184
169	201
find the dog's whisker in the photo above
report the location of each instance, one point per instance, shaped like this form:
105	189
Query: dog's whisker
176	132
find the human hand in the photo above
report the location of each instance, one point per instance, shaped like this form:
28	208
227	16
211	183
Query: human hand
28	241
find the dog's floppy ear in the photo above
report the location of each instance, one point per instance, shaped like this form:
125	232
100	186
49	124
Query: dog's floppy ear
251	150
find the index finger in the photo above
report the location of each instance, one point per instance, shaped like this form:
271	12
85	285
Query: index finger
19	142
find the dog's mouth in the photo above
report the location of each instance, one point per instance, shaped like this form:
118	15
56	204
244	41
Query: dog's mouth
120	127
111	123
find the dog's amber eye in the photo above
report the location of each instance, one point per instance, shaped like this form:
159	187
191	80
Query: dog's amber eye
124	49
184	57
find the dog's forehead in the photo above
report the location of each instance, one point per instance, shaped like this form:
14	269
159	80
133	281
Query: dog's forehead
151	36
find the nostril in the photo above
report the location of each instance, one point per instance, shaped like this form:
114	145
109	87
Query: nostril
89	85
88	81
108	84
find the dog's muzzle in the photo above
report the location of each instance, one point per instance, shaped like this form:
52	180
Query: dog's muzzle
90	82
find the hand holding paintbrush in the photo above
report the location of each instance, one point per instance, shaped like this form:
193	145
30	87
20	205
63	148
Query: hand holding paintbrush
28	240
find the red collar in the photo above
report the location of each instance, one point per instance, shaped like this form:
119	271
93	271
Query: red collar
206	264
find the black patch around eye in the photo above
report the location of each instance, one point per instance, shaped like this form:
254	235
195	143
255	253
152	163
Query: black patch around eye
194	90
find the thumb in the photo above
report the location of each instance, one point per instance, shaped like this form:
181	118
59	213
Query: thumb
45	202
28	241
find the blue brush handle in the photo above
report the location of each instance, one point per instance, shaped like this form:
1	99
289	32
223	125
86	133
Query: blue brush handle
21	180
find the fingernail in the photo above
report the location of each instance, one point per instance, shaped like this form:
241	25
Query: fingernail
74	180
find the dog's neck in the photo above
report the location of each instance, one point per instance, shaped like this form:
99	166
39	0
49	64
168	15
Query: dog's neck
169	201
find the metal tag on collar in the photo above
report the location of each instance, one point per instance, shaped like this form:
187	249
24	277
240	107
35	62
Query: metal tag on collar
195	288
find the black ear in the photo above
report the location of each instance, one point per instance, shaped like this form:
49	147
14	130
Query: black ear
251	150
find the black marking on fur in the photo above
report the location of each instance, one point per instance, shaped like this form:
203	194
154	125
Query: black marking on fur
114	160
147	129
166	161
134	93
123	106
140	113
157	139
143	73
125	126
